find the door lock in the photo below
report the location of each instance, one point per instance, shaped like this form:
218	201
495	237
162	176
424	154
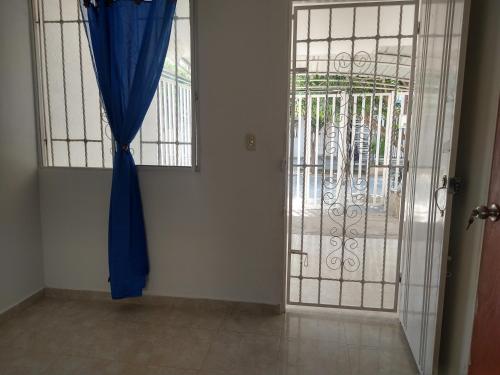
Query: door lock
450	185
482	212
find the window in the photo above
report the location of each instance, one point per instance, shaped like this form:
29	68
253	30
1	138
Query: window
74	129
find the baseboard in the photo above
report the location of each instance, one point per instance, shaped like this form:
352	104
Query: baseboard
87	295
20	306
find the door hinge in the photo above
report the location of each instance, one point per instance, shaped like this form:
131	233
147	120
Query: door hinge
418	27
454	185
283	165
400	277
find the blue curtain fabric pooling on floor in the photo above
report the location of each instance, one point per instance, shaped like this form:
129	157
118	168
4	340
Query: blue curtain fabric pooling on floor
128	41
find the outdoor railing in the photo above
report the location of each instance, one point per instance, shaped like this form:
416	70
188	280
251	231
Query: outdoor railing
342	139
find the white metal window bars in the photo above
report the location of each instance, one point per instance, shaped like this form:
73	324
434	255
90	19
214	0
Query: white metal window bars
343	114
73	127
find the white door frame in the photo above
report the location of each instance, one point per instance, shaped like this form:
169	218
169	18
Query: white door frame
290	148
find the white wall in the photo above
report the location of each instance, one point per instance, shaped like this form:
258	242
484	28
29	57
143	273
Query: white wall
217	233
20	245
477	130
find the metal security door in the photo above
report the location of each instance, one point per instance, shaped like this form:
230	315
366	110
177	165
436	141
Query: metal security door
349	109
432	155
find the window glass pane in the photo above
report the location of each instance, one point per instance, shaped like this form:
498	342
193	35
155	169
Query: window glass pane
302	24
182	8
407	19
69	9
94	152
170	59
366	21
77	152
342	20
387	16
319	23
51	10
60	150
184	49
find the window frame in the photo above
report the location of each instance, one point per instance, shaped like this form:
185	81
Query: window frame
39	91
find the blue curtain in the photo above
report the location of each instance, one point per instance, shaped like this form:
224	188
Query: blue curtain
128	40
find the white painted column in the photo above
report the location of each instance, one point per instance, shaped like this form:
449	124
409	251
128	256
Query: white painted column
298	145
335	134
377	147
316	149
401	126
388	141
353	132
361	136
342	166
307	153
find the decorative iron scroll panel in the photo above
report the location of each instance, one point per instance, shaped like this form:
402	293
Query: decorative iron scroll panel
349	108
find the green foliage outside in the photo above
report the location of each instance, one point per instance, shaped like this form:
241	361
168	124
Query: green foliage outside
341	83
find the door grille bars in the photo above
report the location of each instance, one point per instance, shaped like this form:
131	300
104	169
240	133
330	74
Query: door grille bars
348	124
74	129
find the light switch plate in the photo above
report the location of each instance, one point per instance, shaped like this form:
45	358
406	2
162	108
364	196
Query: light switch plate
250	142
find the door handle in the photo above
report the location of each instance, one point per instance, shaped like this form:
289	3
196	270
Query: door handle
483	212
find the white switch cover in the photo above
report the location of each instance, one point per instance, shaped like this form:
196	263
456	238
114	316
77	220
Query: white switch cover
250	142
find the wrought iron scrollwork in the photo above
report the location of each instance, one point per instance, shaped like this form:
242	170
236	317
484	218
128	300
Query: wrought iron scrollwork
345	194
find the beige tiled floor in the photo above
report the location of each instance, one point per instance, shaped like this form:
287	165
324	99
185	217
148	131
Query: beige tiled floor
57	337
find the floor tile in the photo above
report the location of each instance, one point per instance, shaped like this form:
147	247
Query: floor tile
262	323
23	361
59	337
368	361
315	327
234	351
196	317
313	356
373	335
184	348
71	365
